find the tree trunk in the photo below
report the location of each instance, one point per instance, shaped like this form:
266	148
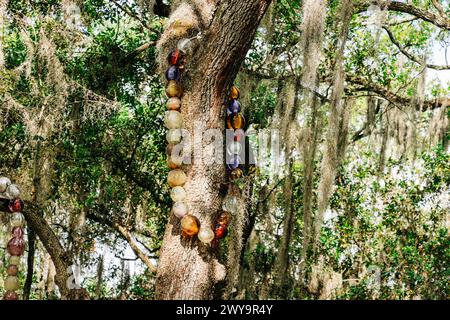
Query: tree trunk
188	269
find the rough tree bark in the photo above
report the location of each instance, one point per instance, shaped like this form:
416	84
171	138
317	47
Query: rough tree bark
188	269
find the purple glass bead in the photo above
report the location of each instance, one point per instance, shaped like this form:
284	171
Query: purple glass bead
173	73
235	163
234	107
17	232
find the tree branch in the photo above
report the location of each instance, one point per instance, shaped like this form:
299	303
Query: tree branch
409	55
438	20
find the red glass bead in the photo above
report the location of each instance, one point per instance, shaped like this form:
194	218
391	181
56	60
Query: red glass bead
220	231
15	205
176	58
239	135
17	232
16	247
10	295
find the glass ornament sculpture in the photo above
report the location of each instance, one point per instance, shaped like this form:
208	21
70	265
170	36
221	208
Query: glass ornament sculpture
189	226
230	204
173	73
234	163
4	183
236	174
206	235
177	58
10	295
12	191
220	231
173	120
11	283
174	89
173	136
234	107
176	178
174	104
15	205
234	148
17	219
16	247
234	93
178	194
180	209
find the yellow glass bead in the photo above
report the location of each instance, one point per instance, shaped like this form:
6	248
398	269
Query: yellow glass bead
189	226
176	178
174	136
15	260
174	104
11	283
173	120
234	93
174	89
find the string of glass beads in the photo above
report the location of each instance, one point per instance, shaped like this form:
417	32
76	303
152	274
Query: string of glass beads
16	245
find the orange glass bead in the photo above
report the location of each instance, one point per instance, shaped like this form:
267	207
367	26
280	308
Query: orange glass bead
174	104
174	89
190	225
235	121
234	93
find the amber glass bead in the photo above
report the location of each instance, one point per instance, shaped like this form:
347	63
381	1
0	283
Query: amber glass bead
236	174
177	58
12	270
16	246
10	295
190	225
224	218
174	104
234	107
234	93
176	178
235	121
173	73
174	89
15	205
